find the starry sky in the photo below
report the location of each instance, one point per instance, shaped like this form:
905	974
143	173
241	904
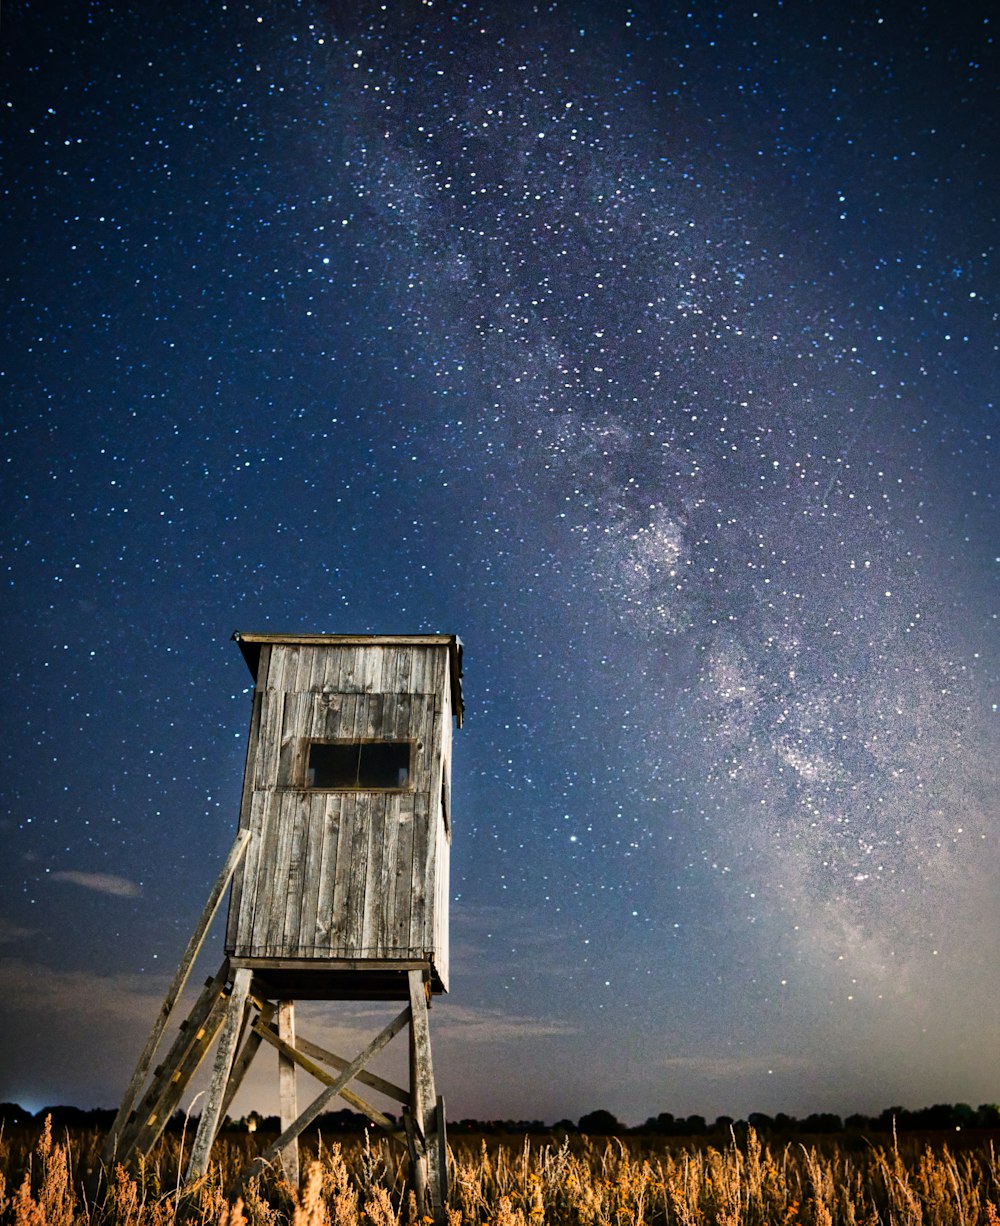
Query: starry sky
650	348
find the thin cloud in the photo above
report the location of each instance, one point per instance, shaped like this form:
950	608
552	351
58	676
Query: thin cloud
13	934
89	997
459	1023
101	883
484	1026
721	1068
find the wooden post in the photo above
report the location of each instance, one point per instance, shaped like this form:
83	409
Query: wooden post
441	1142
247	1051
423	1097
286	1090
224	1057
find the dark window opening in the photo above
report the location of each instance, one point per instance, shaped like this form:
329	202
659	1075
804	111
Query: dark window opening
365	765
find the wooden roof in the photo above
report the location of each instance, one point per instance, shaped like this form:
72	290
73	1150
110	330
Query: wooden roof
250	645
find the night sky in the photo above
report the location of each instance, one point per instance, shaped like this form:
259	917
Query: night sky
653	350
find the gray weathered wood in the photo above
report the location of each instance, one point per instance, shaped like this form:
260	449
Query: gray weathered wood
313	854
441	1139
348	872
224	1058
196	1034
288	933
149	1124
247	793
331	832
287	1096
424	1098
373	937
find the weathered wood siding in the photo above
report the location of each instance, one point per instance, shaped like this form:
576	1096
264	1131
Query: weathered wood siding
349	873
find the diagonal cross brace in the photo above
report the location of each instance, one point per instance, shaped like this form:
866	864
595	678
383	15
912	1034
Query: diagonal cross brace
302	1060
319	1104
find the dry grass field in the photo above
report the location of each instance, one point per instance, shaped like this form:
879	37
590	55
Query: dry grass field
521	1183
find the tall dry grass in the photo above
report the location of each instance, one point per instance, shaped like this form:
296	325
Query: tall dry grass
573	1184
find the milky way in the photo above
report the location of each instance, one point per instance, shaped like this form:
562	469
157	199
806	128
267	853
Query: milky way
653	352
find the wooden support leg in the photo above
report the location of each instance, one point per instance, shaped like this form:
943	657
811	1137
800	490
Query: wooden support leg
173	993
247	1051
152	1121
441	1142
224	1058
418	1161
286	1090
120	1145
424	1100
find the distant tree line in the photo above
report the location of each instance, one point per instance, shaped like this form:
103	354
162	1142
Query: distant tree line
942	1116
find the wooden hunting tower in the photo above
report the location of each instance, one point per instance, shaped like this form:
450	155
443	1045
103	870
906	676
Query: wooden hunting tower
347	799
339	892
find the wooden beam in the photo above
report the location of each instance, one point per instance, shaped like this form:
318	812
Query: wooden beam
224	1058
319	1105
287	1098
424	1098
148	1126
173	1069
297	1054
173	992
372	1080
441	1140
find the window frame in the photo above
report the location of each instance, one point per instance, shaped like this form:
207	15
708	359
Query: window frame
303	783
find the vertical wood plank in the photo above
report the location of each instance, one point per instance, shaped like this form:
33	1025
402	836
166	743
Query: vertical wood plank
373	720
390	717
401	892
362	806
418	671
422	850
274	678
314	852
272	723
372	933
287	931
290	737
251	873
325	926
274	867
370	669
384	946
342	881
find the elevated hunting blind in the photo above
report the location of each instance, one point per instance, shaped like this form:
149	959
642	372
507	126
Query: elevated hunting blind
339	890
347	797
